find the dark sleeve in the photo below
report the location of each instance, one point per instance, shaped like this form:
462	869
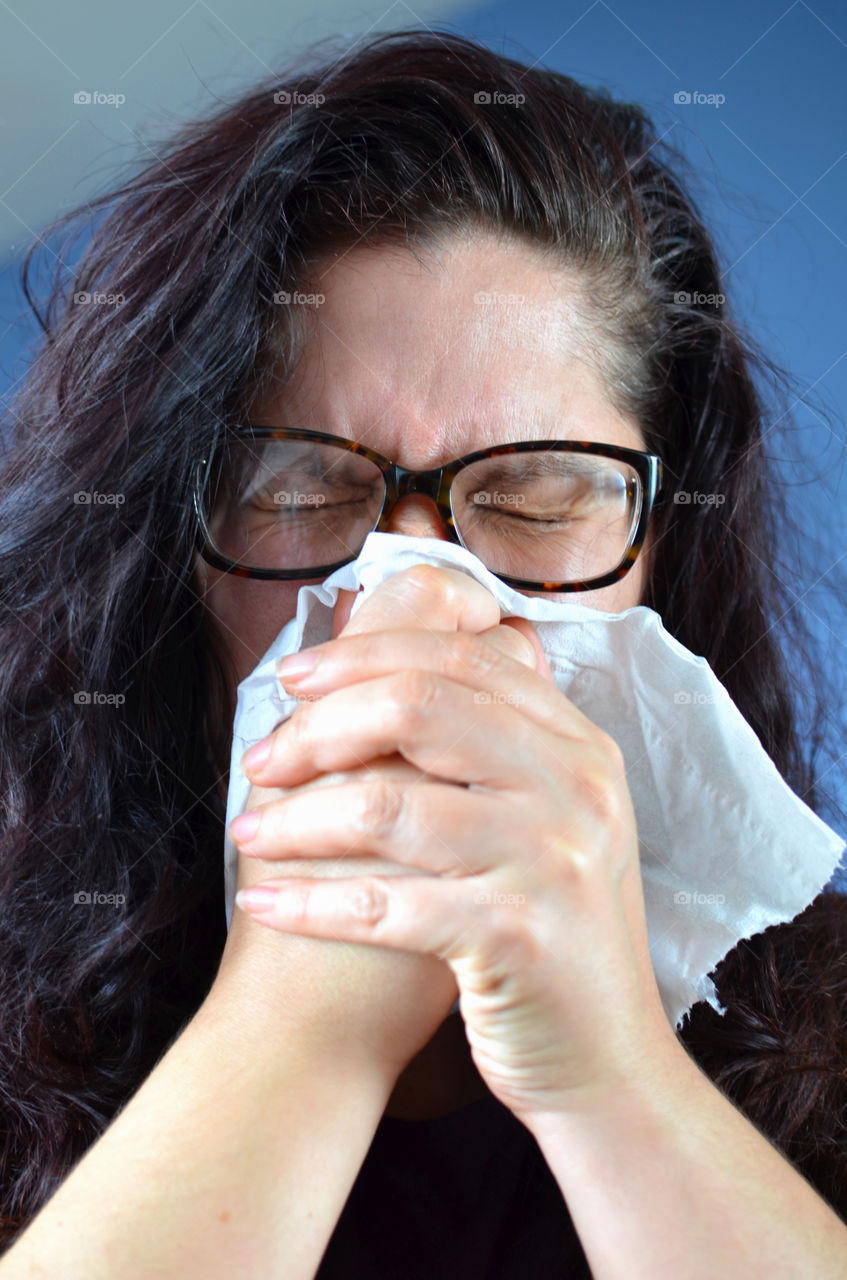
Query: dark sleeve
779	1052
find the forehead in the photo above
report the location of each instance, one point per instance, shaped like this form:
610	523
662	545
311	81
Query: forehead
475	343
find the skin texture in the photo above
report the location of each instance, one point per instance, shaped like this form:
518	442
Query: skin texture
406	359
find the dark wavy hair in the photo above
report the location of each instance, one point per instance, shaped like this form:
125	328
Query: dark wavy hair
98	597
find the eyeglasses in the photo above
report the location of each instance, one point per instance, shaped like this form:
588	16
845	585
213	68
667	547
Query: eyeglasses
548	515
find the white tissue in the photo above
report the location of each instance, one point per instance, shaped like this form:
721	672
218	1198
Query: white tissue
726	847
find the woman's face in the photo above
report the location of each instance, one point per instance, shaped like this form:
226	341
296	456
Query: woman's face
425	362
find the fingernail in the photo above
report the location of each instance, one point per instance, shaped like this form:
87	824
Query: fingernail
258	754
245	826
255	899
297	665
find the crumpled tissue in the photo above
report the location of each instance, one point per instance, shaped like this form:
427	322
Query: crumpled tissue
726	847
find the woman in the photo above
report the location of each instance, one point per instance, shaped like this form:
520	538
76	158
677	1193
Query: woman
376	251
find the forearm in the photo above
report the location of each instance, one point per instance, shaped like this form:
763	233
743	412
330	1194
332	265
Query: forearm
235	1157
669	1180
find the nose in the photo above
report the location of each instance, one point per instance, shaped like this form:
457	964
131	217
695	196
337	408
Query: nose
415	516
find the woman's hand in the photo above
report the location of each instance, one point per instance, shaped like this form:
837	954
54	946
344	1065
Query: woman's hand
521	837
375	1006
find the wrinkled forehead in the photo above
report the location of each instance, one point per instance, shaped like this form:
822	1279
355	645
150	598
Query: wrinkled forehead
479	343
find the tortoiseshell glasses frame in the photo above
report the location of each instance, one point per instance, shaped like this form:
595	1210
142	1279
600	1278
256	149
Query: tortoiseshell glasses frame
435	484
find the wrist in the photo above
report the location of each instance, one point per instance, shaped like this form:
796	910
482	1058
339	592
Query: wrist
274	1025
644	1110
648	1090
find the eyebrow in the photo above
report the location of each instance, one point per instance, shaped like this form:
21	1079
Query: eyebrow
545	462
560	461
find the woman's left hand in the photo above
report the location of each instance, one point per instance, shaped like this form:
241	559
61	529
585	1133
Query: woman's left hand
523	831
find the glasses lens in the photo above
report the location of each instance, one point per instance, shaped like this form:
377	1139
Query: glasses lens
291	504
549	516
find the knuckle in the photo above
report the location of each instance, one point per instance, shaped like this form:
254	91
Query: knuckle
601	792
471	652
566	861
611	752
380	810
296	730
511	938
429	579
369	902
298	901
414	691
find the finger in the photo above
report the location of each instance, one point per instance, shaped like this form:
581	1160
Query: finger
422	914
429	597
444	729
511	642
481	663
343	609
445	830
524	627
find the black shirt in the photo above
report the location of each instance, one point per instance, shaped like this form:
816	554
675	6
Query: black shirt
465	1196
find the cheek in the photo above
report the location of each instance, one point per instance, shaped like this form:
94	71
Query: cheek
247	614
620	595
625	594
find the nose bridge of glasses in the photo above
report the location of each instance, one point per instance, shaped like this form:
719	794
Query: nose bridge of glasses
425	483
414	511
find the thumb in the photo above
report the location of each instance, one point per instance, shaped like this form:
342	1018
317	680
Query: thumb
343	609
526	629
